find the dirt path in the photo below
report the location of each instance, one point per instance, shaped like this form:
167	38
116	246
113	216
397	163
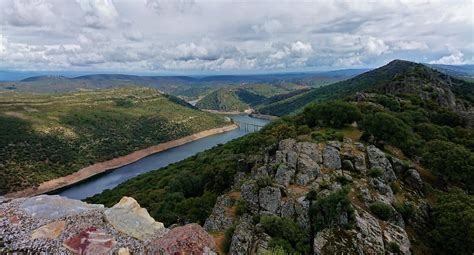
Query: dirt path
108	165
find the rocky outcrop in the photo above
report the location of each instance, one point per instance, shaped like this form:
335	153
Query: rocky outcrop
219	220
127	216
413	179
331	158
243	236
378	159
269	199
189	239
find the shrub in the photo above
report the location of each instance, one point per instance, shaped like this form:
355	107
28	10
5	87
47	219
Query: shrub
240	207
375	172
228	238
326	212
333	113
406	209
264	181
453	228
286	234
327	135
393	247
450	161
381	210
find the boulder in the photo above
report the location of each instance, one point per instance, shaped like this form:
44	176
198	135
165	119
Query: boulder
287	145
331	158
377	158
187	239
292	159
307	169
370	232
311	150
49	231
270	199
55	207
242	239
413	179
399	166
90	241
249	193
359	163
284	175
219	220
128	217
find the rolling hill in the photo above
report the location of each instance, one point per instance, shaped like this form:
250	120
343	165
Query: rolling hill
43	137
397	76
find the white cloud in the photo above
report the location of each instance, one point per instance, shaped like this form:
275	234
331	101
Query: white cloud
410	45
99	13
455	57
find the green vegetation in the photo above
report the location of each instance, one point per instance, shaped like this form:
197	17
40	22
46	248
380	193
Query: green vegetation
327	211
49	136
453	228
286	234
229	232
375	172
381	210
333	113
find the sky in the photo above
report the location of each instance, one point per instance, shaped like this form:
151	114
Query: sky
231	36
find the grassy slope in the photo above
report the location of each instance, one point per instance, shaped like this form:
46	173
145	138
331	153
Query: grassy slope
47	136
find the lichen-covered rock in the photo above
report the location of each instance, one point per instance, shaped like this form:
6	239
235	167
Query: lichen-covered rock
55	207
307	169
331	158
284	175
359	163
288	209
396	234
270	199
242	239
249	193
219	220
302	212
291	159
90	241
49	231
129	217
378	159
188	239
311	150
370	236
413	179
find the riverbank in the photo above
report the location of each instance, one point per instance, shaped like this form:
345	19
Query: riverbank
109	165
248	111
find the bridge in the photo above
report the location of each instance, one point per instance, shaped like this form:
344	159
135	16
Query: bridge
248	127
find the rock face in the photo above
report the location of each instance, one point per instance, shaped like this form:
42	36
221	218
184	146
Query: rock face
188	239
331	158
49	231
413	179
378	159
270	199
242	239
127	216
55	207
219	220
284	175
90	241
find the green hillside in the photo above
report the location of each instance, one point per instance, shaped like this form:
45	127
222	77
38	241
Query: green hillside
416	132
47	136
396	77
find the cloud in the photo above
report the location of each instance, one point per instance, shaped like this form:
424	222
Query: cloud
455	57
228	35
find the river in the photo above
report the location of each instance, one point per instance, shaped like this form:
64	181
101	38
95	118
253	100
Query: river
158	160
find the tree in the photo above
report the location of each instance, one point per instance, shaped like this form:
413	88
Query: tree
333	113
388	128
453	228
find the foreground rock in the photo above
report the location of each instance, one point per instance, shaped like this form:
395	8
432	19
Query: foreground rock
189	239
127	216
49	231
90	241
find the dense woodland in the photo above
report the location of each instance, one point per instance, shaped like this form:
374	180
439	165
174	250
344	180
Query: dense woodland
406	125
45	137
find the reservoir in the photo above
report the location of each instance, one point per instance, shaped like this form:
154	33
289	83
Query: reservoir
158	160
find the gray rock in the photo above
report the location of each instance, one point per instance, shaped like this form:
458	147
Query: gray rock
280	157
302	179
399	166
292	159
55	207
307	169
219	220
287	145
359	163
335	144
311	150
260	172
396	234
377	158
302	212
413	179
370	232
270	199
288	209
360	146
384	193
249	193
284	175
239	178
331	158
242	239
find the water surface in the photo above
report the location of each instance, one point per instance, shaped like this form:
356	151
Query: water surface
158	160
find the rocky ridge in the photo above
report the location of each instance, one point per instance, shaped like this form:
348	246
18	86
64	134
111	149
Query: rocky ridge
58	225
296	174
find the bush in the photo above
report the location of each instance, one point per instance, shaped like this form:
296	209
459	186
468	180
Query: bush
450	161
381	210
240	207
228	238
327	135
286	234
393	247
333	113
326	212
375	172
407	210
453	228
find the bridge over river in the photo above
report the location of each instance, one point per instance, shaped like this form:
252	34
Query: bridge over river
247	126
